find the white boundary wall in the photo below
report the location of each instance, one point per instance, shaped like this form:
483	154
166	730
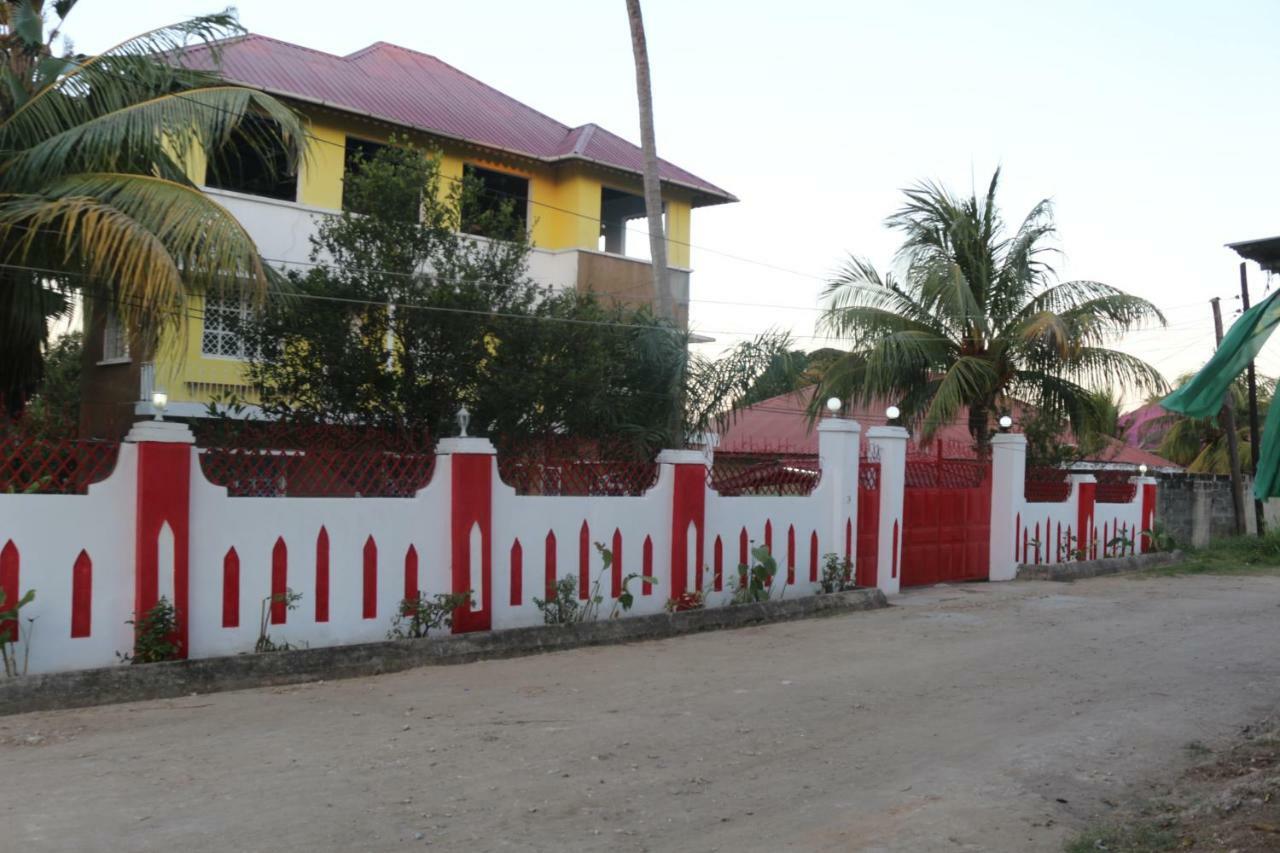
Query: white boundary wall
234	546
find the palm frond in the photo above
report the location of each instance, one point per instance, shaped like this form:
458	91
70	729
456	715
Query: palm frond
154	131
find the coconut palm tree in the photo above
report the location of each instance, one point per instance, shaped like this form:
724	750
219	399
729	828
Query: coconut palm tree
649	146
974	318
1200	444
95	193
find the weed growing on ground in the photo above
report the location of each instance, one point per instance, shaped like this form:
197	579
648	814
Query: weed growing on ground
290	600
8	644
1123	839
1235	555
155	635
416	617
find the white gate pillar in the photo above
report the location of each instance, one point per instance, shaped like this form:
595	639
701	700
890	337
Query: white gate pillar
889	443
838	440
1008	482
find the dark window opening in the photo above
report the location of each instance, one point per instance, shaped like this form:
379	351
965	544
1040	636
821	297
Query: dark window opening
358	151
617	209
493	203
253	161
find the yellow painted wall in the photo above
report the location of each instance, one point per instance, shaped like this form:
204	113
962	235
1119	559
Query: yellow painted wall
563	213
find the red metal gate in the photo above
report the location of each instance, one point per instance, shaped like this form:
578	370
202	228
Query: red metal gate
946	522
868	522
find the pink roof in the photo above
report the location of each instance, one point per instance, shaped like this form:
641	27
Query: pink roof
404	87
781	425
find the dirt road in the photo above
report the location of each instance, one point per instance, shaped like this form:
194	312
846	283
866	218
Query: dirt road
983	717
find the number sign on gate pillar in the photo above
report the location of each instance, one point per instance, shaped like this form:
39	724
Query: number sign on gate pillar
1008	474
890	443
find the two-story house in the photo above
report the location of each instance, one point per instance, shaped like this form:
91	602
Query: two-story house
575	187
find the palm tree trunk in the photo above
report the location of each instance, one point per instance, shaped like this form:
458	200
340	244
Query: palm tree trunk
663	299
652	185
979	417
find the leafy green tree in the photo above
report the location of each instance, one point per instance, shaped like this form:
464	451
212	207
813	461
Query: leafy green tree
790	371
94	187
403	319
975	319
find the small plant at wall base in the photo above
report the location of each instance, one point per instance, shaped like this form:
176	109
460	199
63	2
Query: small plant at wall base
837	574
155	635
562	607
755	583
1157	538
694	599
416	617
8	644
290	600
626	598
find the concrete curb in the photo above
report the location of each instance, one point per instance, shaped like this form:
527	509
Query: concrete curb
1094	568
108	685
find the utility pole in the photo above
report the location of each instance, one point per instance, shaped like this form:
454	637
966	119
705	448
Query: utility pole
1227	420
1255	448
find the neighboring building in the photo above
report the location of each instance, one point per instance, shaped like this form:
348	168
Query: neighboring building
580	185
781	426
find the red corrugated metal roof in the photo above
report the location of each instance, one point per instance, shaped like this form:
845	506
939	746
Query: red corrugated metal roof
412	89
780	425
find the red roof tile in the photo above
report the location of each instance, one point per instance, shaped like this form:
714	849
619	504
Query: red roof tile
401	86
781	425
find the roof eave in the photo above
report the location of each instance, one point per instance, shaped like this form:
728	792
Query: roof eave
712	196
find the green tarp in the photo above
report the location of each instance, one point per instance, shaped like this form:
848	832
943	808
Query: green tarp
1202	397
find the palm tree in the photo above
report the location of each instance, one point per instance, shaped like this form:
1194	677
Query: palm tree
975	319
1200	444
95	196
649	146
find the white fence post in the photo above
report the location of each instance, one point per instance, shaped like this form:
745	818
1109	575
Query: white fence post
1008	481
890	444
838	440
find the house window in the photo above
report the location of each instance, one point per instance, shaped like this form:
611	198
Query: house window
115	342
358	151
494	193
224	317
253	161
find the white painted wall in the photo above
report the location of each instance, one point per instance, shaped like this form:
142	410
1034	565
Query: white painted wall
49	532
252	525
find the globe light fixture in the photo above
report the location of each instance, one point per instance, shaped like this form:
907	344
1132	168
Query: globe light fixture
892	414
159	402
1142	470
464	421
833	404
1006	423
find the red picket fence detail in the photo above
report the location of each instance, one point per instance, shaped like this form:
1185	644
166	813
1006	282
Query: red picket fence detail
1047	485
566	466
1115	487
739	474
33	464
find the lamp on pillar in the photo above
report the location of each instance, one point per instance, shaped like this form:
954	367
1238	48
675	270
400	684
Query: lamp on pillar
892	415
834	405
1142	470
159	402
1005	422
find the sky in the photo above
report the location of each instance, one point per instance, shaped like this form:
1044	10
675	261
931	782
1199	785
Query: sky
1150	126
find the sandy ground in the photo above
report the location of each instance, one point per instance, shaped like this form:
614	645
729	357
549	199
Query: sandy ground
978	717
